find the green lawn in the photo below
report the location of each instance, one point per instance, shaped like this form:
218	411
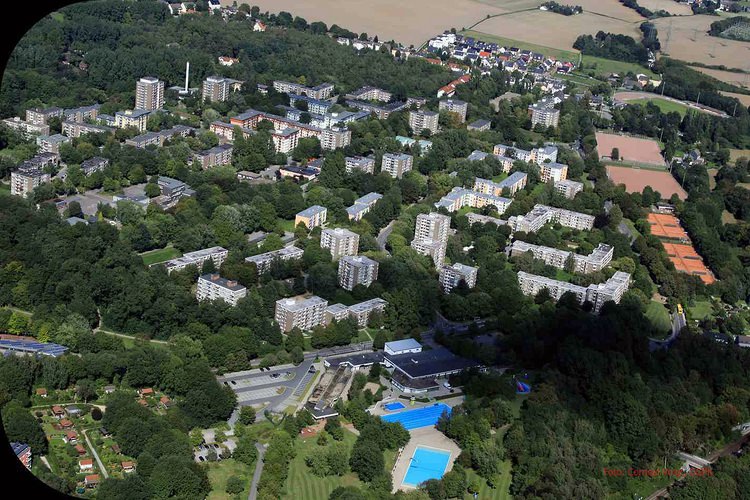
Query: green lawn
606	66
4	189
664	105
562	275
659	316
488	493
220	472
567	55
303	485
700	310
161	255
286	225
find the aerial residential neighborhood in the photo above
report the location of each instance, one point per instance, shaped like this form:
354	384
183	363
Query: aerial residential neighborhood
484	250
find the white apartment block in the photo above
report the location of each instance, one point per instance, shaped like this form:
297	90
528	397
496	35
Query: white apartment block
77	129
455	106
24	180
451	276
357	270
26	128
462	197
300	312
197	258
553	171
362	206
514	182
284	141
370	94
38	116
263	261
322	91
215	89
311	217
612	289
95	164
420	120
339	242
137	118
431	236
213	287
541	155
360	313
396	164
363	163
334	138
543	214
544	113
149	93
569	188
582	264
51	143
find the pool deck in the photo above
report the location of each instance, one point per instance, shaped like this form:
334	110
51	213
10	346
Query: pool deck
428	437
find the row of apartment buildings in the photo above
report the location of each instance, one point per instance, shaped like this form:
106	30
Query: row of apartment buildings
597	294
581	264
306	313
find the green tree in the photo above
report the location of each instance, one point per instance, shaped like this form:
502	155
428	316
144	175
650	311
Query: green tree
247	415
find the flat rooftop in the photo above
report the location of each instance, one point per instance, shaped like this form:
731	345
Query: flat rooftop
429	363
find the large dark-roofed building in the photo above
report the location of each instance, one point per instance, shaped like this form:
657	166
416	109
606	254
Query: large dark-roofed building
415	372
13	344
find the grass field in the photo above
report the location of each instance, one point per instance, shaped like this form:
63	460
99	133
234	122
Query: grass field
286	225
737	153
303	485
700	309
488	493
219	472
4	189
667	106
567	55
659	316
161	255
606	66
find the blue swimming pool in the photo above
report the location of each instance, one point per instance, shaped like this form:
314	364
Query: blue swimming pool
426	464
394	406
421	417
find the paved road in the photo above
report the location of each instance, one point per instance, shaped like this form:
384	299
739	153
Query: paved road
258	470
383	235
96	455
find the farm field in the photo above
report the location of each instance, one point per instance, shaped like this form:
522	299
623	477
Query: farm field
690	42
631	149
736	153
637	179
553	30
674	8
743	98
610	8
161	255
404	22
732	78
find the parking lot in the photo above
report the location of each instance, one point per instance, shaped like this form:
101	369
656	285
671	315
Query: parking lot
270	388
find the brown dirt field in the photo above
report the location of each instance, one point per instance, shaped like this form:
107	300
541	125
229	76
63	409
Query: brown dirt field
736	153
737	79
743	98
611	8
405	22
632	149
553	30
712	178
689	41
674	8
728	218
637	179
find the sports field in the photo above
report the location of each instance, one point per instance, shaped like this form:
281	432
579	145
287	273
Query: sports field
632	149
161	255
635	179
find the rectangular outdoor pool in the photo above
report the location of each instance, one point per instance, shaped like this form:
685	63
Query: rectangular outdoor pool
394	406
426	464
421	417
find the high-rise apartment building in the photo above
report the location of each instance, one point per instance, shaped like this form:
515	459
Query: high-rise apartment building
421	120
149	93
303	313
455	106
339	242
431	236
396	164
213	286
451	276
357	270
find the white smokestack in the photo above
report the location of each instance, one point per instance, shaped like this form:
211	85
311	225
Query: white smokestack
187	75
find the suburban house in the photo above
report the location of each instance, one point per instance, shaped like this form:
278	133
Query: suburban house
86	464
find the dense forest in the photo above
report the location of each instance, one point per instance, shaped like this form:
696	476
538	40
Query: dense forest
612	46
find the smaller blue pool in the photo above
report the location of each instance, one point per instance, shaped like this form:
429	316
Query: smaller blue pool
426	464
394	406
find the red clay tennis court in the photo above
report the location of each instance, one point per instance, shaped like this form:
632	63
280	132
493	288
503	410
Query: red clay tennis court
687	260
635	179
632	149
666	226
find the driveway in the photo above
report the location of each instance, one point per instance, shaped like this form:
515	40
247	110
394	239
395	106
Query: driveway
258	470
383	235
